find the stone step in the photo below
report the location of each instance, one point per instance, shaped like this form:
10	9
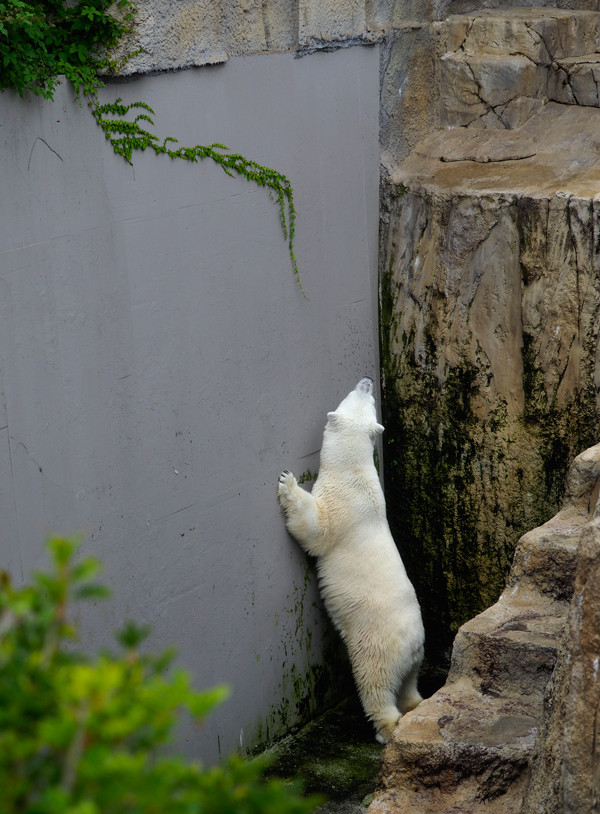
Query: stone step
501	67
460	752
510	649
546	560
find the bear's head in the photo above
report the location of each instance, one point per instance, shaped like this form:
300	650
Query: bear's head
356	413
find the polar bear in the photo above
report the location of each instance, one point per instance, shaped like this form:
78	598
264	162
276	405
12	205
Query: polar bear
362	579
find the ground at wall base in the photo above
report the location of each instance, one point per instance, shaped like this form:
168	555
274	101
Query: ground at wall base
335	755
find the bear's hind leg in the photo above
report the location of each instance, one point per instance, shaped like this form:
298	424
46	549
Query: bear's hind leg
409	696
301	513
380	708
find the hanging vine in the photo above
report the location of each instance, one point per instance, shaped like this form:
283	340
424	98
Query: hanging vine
41	40
127	136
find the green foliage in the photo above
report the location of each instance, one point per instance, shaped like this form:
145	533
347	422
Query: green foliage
129	135
42	39
79	735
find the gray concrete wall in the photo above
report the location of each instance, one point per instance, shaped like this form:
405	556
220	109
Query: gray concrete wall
159	366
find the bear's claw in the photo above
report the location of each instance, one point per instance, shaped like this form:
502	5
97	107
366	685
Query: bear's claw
286	482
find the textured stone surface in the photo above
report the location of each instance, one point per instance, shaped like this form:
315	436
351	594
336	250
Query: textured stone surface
409	89
322	24
499	65
564	777
499	68
202	32
490	307
490	318
470	747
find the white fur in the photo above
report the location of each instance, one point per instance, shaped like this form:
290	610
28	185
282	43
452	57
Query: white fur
361	576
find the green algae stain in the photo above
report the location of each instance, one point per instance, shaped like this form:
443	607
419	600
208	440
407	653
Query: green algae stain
311	677
304	693
335	755
562	430
465	474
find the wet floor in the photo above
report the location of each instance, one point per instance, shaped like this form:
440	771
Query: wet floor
336	756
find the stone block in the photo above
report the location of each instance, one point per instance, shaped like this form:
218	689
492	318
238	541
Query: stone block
203	32
539	34
473	86
510	649
409	89
575	81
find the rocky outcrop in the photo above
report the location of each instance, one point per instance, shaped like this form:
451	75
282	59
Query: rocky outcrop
471	746
499	69
564	776
490	316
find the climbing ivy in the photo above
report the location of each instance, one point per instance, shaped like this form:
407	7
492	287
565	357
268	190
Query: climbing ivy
40	41
129	135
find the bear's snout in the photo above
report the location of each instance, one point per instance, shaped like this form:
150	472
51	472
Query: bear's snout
365	385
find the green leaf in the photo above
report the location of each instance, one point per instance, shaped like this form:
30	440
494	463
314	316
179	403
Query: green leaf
92	591
132	635
62	550
200	704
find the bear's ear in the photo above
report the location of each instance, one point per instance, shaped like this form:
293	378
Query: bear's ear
333	419
376	430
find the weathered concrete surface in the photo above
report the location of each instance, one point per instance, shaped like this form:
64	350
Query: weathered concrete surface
203	32
159	365
470	747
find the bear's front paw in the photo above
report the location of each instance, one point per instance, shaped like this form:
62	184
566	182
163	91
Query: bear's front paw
286	483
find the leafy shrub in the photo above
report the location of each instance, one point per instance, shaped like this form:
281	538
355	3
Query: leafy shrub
79	734
41	39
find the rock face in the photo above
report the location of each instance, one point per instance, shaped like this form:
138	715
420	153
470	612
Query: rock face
499	69
564	776
490	304
490	316
471	746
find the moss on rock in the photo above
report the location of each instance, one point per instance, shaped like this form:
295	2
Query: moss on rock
488	354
